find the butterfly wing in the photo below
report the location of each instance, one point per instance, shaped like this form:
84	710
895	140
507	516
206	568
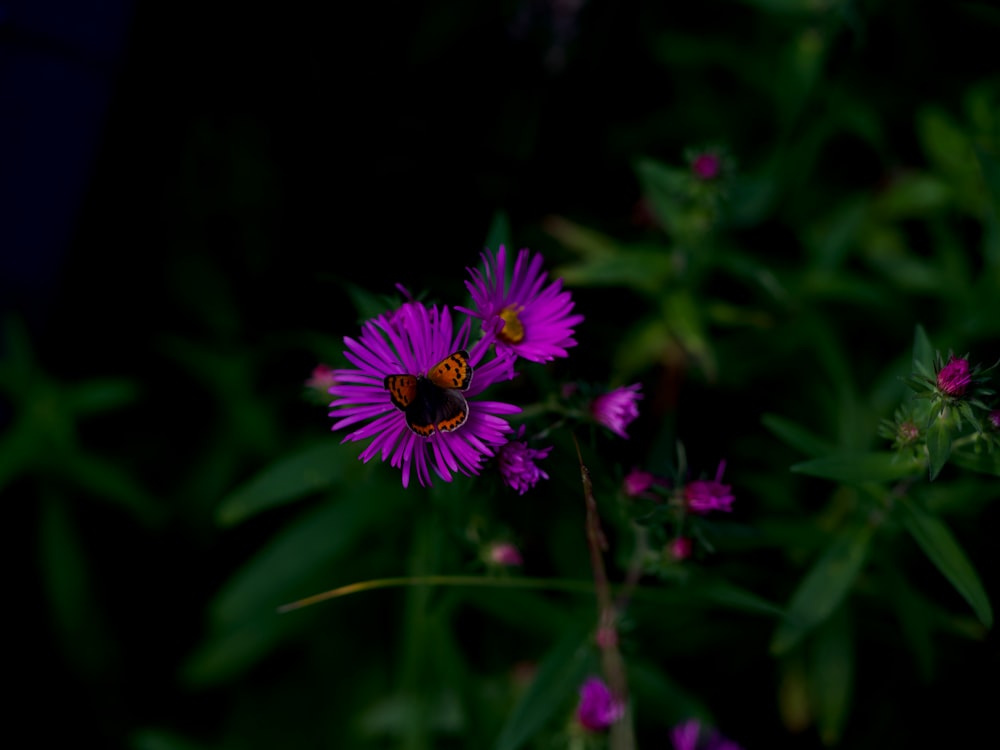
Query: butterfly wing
454	371
402	390
436	409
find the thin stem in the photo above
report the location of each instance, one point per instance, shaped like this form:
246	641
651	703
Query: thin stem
621	733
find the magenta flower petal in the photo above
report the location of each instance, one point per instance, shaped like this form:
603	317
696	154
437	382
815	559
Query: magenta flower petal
411	340
954	377
598	709
617	408
518	464
705	495
537	318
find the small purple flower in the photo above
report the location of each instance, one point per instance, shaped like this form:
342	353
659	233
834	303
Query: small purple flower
319	383
517	463
954	377
907	434
412	340
537	319
504	554
690	735
994	419
638	483
680	548
616	409
704	495
598	709
706	166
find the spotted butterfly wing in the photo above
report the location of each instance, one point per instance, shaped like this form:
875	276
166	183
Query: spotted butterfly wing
434	403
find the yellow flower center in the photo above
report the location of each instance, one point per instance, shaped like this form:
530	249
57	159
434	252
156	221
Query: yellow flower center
513	330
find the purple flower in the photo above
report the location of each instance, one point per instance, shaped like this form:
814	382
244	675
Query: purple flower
706	165
954	377
537	319
680	548
617	408
319	383
504	554
639	483
690	735
517	463
598	709
994	419
410	341
705	495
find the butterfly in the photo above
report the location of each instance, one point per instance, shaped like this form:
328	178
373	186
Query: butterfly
434	402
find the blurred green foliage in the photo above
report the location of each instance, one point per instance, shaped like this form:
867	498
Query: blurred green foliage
175	492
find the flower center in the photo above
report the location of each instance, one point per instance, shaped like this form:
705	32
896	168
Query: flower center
513	329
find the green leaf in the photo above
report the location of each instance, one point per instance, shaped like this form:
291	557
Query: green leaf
69	583
156	739
914	616
938	543
108	481
923	352
824	587
304	552
831	674
314	468
938	446
653	691
797	436
559	676
499	232
856	468
100	395
986	463
229	651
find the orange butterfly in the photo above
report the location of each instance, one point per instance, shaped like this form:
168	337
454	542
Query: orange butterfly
434	402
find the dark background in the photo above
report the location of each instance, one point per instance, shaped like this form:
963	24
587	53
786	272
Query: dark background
212	172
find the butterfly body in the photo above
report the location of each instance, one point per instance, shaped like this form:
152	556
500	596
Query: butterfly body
433	402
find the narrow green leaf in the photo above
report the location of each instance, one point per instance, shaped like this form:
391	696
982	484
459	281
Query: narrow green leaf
986	463
990	166
100	395
938	543
831	674
653	691
108	481
156	739
303	552
499	232
797	436
923	352
938	446
555	684
230	651
824	587
311	469
914	617
69	584
855	468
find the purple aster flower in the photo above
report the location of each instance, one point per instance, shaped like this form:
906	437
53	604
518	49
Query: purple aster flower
954	377
705	495
598	709
538	319
504	554
680	548
707	165
319	383
616	409
690	735
517	463
410	342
